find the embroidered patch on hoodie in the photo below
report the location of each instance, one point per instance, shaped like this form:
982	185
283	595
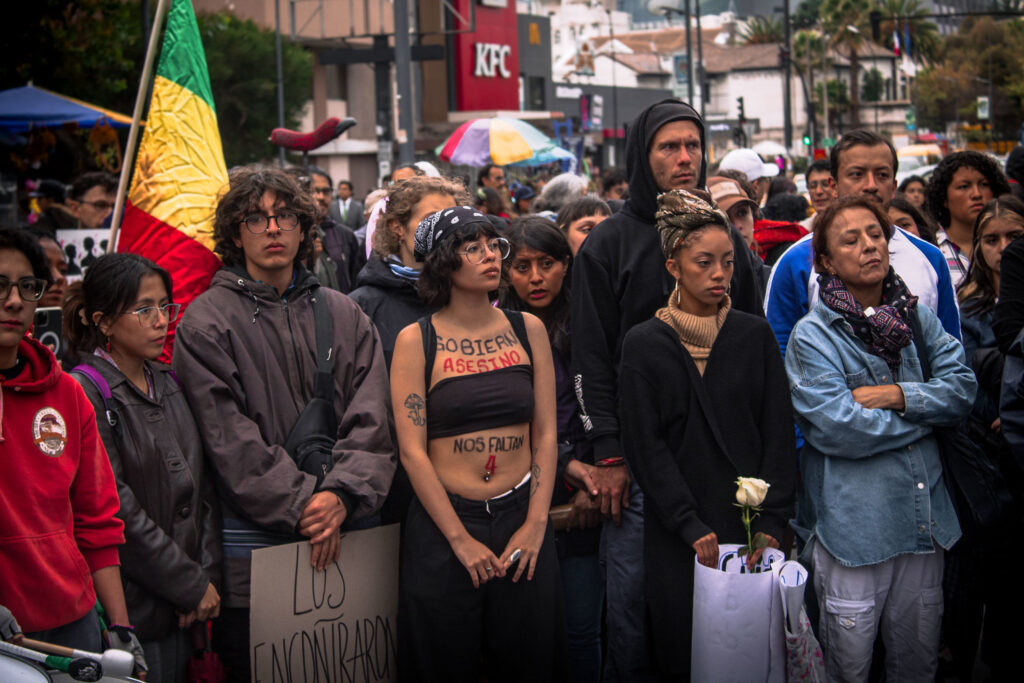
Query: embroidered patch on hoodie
49	432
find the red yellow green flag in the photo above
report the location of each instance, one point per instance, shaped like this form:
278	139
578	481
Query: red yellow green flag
180	169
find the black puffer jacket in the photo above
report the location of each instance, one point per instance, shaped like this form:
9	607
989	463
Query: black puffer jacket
389	301
620	280
172	548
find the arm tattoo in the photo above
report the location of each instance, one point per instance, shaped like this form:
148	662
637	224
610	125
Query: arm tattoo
534	478
415	404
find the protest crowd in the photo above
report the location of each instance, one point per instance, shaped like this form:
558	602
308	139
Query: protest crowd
571	395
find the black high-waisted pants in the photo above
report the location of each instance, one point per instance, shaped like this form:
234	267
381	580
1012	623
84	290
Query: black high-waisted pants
449	631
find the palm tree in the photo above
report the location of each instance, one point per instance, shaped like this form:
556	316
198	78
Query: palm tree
808	49
924	34
762	30
848	24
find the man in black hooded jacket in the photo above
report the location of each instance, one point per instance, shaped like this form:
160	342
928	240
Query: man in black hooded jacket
619	280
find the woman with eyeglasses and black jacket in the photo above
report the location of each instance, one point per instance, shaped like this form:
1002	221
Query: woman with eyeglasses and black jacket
116	321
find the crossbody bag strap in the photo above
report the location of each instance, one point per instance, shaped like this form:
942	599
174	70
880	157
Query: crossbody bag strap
429	336
323	384
515	318
109	404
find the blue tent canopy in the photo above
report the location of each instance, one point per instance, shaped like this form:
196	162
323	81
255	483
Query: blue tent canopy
22	109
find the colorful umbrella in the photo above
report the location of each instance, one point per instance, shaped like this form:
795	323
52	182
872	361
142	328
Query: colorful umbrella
546	156
499	140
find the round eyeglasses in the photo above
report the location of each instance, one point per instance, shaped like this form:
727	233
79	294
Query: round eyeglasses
150	315
29	288
259	223
476	252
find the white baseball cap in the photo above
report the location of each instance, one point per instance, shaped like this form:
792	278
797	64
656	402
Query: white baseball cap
747	162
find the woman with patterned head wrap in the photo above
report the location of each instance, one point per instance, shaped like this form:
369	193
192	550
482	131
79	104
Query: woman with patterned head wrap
703	400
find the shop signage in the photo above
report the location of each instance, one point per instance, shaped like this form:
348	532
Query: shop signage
487	60
492	60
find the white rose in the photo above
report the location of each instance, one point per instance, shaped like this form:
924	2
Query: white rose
751	491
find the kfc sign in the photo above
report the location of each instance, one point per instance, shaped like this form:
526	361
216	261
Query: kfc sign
492	60
486	61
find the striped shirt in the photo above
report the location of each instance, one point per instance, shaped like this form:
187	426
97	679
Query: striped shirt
955	258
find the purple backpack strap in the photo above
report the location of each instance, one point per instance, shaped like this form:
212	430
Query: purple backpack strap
101	386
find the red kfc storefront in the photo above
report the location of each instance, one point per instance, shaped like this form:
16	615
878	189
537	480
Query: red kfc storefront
485	61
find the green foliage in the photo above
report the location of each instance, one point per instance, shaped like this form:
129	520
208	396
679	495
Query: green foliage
947	91
925	41
94	50
873	87
243	75
806	14
838	102
761	30
89	49
848	23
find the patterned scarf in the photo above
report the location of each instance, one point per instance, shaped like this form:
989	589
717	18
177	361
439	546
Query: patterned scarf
884	329
680	212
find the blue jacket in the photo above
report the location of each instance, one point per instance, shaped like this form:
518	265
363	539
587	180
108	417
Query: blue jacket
793	286
872	478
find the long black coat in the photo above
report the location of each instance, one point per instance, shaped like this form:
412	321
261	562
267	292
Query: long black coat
688	481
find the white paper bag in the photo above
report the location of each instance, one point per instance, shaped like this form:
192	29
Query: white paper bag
738	629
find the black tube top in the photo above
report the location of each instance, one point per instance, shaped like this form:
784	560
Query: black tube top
470	403
484	400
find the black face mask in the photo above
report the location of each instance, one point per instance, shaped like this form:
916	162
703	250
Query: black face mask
643	190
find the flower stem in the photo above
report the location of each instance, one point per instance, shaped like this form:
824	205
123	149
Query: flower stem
746	524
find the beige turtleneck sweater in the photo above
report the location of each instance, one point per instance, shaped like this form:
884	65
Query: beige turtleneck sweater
697	333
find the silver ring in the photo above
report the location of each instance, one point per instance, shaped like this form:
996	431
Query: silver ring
487	569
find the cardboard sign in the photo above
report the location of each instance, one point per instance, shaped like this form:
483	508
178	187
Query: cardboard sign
333	626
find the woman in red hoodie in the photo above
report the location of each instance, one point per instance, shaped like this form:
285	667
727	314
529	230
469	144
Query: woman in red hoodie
58	534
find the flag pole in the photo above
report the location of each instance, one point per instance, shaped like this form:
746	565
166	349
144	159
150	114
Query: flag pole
133	134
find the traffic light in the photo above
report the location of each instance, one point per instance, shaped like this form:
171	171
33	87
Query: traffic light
743	115
783	56
807	140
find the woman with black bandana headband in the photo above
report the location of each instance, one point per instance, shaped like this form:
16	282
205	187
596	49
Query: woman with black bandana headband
473	390
706	401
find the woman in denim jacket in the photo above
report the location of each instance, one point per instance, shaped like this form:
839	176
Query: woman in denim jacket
872	479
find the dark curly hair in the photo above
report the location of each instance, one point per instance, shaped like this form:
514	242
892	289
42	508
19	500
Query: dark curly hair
942	177
827	217
435	283
246	186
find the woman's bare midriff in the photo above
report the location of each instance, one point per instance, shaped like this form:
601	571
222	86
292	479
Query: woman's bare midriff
461	462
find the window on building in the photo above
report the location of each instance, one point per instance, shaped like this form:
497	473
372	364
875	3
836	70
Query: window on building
535	93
